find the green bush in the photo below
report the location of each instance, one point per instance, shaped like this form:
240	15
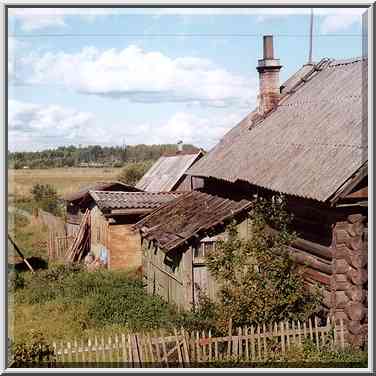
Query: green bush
258	280
16	281
128	304
202	317
108	298
133	172
34	351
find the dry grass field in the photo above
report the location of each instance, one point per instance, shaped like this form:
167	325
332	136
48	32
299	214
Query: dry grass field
65	180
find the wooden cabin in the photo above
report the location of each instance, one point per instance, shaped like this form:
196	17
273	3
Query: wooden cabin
307	140
78	202
168	173
112	214
175	242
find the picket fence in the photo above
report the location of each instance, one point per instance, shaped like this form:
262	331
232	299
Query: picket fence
184	349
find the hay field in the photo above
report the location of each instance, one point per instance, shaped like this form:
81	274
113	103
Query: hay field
65	180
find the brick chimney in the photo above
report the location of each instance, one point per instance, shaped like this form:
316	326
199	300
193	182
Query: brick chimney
268	69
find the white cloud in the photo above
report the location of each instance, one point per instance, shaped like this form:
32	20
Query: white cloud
342	20
34	126
37	127
143	77
202	131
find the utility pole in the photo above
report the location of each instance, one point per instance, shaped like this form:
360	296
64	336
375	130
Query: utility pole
310	38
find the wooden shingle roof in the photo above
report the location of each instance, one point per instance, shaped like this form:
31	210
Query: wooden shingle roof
191	214
167	172
108	200
310	145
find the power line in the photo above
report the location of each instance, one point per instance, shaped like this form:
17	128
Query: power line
155	35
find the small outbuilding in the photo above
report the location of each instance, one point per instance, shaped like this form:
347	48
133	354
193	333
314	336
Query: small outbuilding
112	214
78	202
177	237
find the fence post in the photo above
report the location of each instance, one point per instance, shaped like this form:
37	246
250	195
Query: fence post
342	334
210	346
96	350
310	329
230	335
246	343
240	342
317	334
178	347
253	355
130	355
264	340
282	338
164	349
299	335
287	334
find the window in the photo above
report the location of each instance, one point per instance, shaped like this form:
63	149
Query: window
204	248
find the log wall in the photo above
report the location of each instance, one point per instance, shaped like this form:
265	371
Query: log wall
349	285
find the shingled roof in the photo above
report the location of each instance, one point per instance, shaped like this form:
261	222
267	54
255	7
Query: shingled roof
108	200
194	213
100	186
167	172
310	145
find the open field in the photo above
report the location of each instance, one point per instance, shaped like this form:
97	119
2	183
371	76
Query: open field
65	180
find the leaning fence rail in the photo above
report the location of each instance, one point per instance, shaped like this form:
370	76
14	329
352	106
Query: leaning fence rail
184	349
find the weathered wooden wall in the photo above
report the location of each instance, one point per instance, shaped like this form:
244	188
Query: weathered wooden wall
99	231
181	277
168	277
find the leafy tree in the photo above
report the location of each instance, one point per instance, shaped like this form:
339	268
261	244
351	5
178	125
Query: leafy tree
45	197
259	282
133	172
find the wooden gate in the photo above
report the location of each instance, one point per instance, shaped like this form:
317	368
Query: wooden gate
58	245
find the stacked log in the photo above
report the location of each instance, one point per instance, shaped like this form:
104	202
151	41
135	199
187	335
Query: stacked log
349	287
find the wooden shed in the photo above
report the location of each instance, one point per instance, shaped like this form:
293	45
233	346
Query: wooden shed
112	214
176	238
78	202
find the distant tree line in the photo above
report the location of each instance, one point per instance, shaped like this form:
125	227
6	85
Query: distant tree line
91	156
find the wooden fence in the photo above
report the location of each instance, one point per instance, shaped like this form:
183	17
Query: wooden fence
58	245
183	349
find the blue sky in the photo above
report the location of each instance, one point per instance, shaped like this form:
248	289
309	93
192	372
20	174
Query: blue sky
109	76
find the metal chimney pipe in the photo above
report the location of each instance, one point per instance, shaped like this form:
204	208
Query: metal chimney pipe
268	47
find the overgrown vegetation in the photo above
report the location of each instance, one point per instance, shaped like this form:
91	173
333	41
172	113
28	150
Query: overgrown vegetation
30	238
45	197
307	356
69	301
72	156
32	351
258	280
133	172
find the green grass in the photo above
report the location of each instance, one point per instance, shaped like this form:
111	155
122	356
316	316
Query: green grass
30	238
70	303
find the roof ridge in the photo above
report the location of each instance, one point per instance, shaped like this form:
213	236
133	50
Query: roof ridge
348	61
